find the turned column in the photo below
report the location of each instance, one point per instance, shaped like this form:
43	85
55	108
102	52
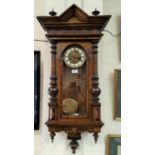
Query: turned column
95	89
53	91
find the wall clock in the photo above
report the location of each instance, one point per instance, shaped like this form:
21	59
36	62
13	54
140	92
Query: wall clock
74	105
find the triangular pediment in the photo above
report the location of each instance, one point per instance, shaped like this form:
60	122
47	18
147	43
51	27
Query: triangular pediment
74	14
73	18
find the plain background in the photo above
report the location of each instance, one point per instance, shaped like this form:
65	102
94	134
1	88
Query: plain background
16	77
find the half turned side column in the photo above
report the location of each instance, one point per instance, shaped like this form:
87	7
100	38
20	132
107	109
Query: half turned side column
95	89
53	91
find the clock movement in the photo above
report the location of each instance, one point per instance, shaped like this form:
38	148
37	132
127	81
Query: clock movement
74	91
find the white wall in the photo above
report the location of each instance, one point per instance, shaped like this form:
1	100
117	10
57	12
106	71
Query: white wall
109	59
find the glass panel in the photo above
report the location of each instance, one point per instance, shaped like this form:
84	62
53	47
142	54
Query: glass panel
74	89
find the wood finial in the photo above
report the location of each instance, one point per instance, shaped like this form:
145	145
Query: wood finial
96	12
52	13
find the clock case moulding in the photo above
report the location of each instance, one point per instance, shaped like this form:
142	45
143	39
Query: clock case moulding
74	26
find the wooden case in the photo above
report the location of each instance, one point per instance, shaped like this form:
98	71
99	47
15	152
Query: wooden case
74	28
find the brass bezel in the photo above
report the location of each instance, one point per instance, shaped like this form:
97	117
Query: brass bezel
73	101
74	67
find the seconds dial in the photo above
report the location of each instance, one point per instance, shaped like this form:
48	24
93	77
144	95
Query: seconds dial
74	57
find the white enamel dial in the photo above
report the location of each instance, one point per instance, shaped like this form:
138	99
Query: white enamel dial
74	57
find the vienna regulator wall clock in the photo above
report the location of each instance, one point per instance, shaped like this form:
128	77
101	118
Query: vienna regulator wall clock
74	105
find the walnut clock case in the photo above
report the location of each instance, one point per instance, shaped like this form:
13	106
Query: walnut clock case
74	105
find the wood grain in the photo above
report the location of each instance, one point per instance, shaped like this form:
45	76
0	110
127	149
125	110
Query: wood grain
74	27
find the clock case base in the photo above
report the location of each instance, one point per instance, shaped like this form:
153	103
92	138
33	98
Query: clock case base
74	131
74	25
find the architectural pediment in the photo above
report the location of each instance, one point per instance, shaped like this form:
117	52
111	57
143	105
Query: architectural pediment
72	19
75	14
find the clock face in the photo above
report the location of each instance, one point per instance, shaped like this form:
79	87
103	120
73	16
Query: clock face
74	57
